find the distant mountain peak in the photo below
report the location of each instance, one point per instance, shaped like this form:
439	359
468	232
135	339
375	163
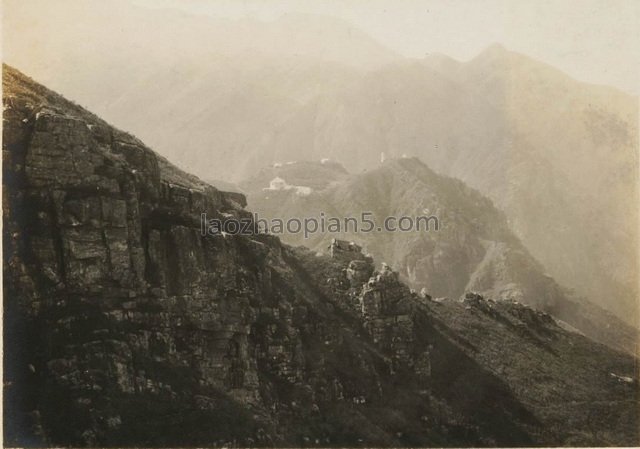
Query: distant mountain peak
495	52
496	48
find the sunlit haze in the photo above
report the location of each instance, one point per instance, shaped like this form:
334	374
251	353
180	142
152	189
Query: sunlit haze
592	40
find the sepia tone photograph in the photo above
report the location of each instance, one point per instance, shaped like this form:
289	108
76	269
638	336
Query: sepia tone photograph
320	223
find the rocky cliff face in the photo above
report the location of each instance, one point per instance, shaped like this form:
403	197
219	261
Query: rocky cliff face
124	325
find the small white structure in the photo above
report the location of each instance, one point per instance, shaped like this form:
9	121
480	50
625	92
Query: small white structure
303	190
324	160
278	183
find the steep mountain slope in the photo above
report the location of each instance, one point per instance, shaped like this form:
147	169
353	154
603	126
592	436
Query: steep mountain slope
558	156
125	326
579	146
473	249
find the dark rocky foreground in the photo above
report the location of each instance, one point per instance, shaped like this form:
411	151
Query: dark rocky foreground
124	326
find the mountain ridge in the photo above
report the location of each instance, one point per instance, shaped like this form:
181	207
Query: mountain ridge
558	155
128	327
473	250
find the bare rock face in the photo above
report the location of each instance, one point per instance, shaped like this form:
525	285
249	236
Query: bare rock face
107	259
129	326
125	325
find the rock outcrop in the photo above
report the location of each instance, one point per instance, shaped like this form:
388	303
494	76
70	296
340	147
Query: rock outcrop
125	325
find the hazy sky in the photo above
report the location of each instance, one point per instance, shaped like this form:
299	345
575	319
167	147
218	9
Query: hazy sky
592	40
